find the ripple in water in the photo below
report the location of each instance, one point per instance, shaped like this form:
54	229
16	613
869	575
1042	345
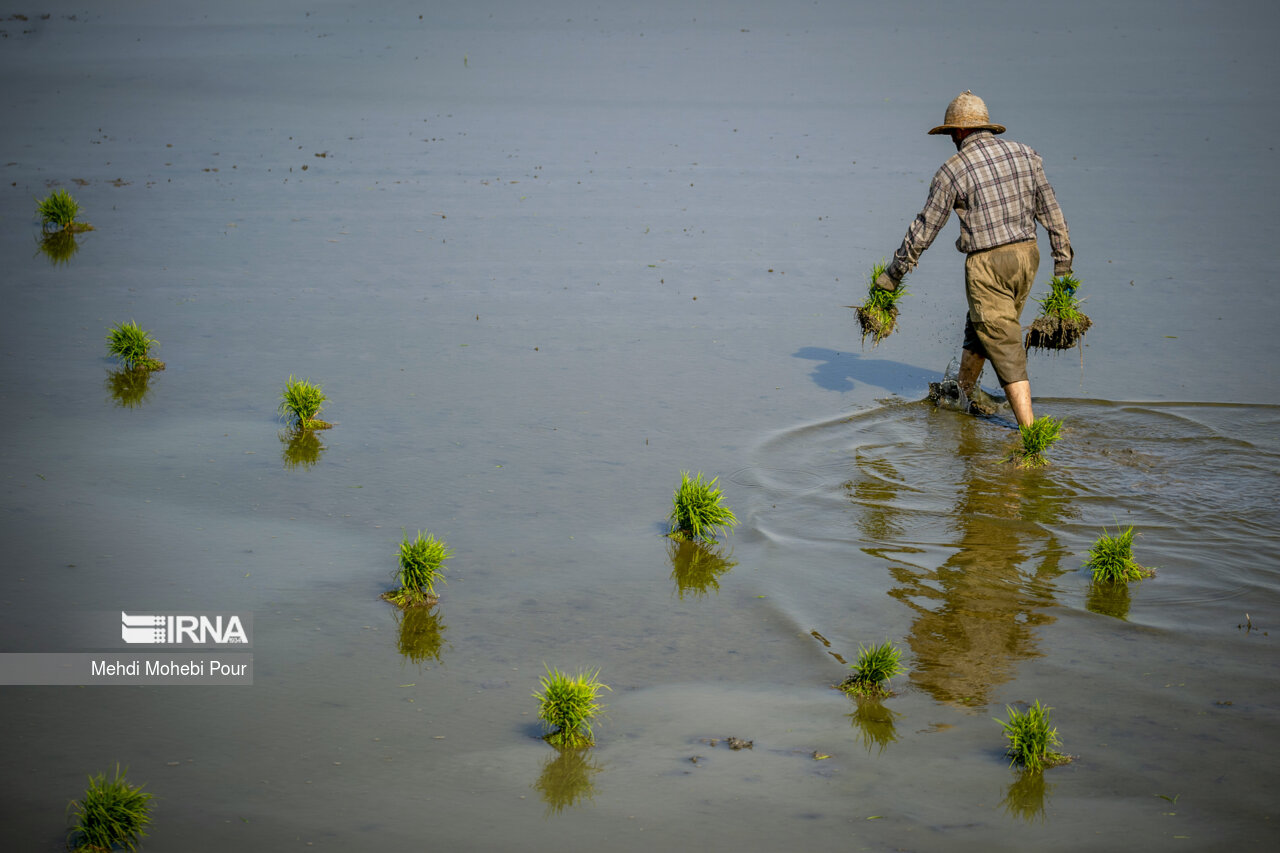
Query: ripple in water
982	552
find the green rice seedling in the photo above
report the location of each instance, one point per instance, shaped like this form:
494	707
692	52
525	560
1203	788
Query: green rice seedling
1037	437
871	674
878	316
1111	558
112	814
567	706
59	209
1061	324
1031	741
421	568
132	344
696	510
300	404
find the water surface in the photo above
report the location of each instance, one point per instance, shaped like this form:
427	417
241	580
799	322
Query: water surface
545	257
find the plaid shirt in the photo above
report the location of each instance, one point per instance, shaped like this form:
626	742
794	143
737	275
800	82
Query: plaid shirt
999	192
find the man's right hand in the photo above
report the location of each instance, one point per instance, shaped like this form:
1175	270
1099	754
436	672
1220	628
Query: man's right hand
885	283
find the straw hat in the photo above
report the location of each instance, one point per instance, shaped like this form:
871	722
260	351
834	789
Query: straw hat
967	111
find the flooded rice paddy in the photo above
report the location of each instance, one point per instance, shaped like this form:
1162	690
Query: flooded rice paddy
543	259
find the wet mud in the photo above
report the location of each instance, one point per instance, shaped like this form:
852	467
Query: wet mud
876	322
1052	332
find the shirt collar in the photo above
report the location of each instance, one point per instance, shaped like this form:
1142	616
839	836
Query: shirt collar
973	137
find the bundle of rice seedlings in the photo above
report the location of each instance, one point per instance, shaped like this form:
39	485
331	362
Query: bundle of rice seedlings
421	568
1061	324
878	316
1036	436
59	210
1111	558
112	814
300	404
697	511
1031	741
871	674
132	344
567	706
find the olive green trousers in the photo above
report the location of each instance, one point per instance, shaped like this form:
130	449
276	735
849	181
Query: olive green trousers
997	283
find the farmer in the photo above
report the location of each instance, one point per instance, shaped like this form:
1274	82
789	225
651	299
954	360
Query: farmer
999	192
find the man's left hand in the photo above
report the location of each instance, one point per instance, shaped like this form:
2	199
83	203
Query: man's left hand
885	283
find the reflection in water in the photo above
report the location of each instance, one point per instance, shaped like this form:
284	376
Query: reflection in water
982	554
566	779
977	612
1108	599
59	246
875	491
302	448
876	723
421	634
696	568
1026	795
129	388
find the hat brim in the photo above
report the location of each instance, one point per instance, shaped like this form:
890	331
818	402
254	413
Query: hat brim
947	128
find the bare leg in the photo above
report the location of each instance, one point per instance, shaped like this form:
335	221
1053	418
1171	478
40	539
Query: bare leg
1019	394
970	369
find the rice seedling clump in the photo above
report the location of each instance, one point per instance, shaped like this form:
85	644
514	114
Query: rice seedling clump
1111	558
878	316
421	567
1037	437
300	404
697	510
871	674
567	706
112	814
132	344
59	210
1031	741
1061	324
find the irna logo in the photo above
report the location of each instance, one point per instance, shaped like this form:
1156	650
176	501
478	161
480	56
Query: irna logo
171	629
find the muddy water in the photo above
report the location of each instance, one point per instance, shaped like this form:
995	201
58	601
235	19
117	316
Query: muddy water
540	272
984	555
